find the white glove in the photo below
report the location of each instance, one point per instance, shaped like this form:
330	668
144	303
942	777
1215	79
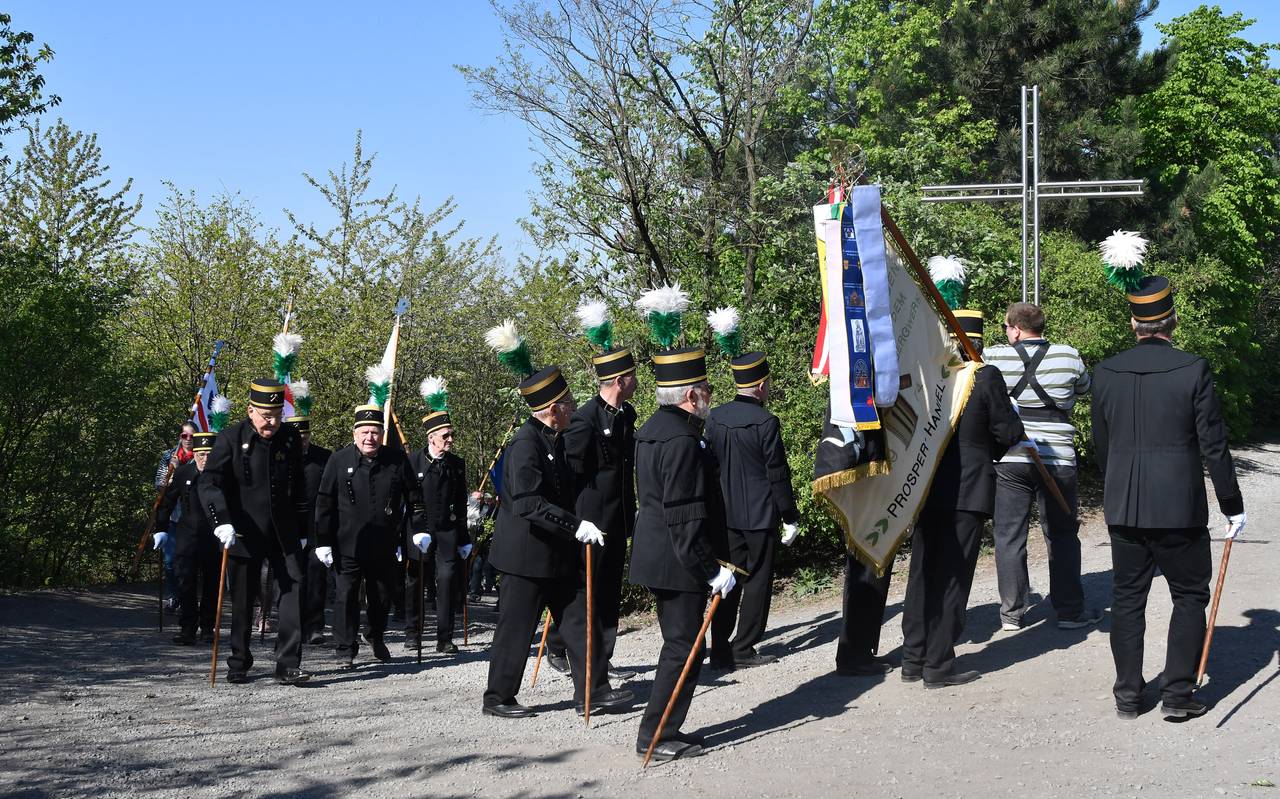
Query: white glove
789	533
302	543
226	534
464	551
399	554
325	556
1235	525
723	582
422	541
161	538
588	533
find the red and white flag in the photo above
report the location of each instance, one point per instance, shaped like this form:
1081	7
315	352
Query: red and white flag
204	405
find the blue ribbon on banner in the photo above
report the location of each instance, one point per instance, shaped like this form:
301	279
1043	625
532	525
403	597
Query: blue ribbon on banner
861	372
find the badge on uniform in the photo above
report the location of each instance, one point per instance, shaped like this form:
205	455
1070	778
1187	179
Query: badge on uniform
279	456
607	432
245	445
702	442
350	469
551	456
419	475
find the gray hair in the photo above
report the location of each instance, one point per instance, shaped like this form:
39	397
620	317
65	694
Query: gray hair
1161	327
671	395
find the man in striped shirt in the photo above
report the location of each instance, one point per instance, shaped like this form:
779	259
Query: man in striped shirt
1043	380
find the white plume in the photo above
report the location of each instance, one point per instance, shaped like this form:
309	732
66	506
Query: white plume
504	337
1124	249
300	389
723	321
432	385
220	404
287	343
378	374
664	299
592	314
946	267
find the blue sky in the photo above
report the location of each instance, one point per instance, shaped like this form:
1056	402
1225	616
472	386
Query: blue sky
245	97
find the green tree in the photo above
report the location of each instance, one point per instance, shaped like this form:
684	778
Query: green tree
21	84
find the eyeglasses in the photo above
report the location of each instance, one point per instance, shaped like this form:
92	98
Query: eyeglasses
184	436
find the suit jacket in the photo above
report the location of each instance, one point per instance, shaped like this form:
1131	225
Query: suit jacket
534	532
258	486
313	463
191	532
680	530
362	502
443	482
601	446
988	426
1155	419
755	479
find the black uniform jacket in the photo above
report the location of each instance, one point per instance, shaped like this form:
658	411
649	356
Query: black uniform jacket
443	482
755	479
1155	416
534	532
362	502
258	486
191	532
680	531
988	426
601	447
313	463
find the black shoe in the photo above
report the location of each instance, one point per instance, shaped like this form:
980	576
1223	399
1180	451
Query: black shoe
953	678
207	636
609	702
411	644
473	597
347	664
865	668
447	648
558	662
620	675
690	738
753	660
292	676
186	638
1182	709
1126	714
380	650
720	664
237	677
513	710
670	749
316	639
911	674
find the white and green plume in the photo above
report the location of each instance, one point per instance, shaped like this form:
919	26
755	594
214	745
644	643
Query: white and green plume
378	377
948	274
511	349
662	309
594	319
301	391
435	392
724	329
1122	254
219	412
284	353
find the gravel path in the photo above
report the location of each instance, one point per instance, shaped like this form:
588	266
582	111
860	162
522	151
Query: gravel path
94	702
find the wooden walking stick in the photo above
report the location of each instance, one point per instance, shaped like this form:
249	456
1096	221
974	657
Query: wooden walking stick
537	664
217	620
421	605
466	590
586	704
684	675
1213	611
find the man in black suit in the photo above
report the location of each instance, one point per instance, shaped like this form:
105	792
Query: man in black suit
1155	420
600	446
197	552
944	546
679	537
254	490
755	481
537	546
443	478
315	575
365	491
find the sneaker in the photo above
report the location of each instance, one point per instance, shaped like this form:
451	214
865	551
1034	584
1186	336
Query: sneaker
1011	626
1087	618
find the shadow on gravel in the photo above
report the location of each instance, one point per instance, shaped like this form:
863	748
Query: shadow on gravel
1238	655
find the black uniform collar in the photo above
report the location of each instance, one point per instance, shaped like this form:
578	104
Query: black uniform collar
542	428
1156	340
747	399
606	407
692	419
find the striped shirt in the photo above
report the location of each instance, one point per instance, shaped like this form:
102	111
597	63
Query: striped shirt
1063	377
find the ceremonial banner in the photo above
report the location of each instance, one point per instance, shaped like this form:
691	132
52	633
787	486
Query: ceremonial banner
204	401
874	481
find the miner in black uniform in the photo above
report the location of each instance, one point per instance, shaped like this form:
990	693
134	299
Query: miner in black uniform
755	481
316	576
600	445
944	546
197	551
443	479
254	489
364	493
679	536
537	546
1156	419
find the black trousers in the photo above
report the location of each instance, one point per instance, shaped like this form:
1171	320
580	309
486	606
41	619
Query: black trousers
944	553
197	575
441	569
377	572
680	616
865	596
608	566
315	594
246	582
521	602
1182	556
748	602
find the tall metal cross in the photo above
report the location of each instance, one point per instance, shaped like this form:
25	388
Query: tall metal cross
1031	190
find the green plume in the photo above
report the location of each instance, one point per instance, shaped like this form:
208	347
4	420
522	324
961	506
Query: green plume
952	292
219	412
1126	279
511	349
662	309
284	354
379	379
435	392
724	329
301	392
